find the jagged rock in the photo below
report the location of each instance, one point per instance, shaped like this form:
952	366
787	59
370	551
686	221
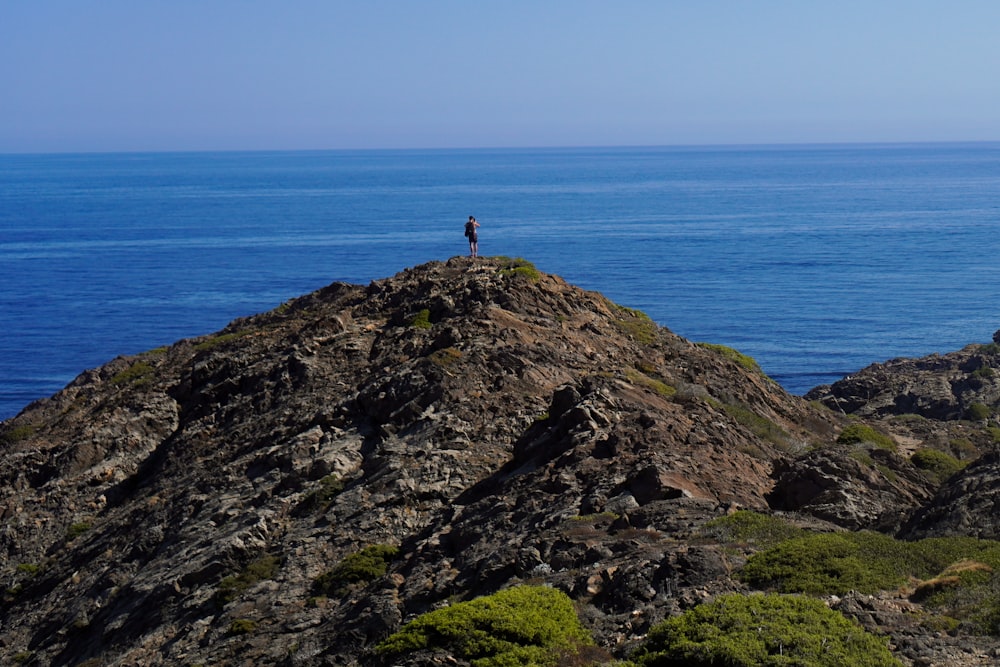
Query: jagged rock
183	506
943	387
967	504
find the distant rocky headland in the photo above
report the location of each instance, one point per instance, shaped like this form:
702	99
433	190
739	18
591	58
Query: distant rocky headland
475	463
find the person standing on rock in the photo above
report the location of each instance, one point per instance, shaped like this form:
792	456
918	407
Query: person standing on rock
473	236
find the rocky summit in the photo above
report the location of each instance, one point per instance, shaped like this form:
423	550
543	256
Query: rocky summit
295	488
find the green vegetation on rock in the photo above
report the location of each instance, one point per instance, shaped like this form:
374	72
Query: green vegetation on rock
519	268
861	433
422	320
743	360
232	586
868	562
525	625
635	323
746	527
939	465
762	631
361	567
137	373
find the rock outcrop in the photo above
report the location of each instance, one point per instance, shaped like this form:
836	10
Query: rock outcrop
493	424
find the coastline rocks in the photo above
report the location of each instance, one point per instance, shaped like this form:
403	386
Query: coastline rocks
293	488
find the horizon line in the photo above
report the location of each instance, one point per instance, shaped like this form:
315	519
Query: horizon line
485	148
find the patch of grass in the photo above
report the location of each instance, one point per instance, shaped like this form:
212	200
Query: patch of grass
319	499
762	630
938	465
635	323
743	360
30	569
19	433
76	530
868	562
366	565
138	373
746	527
525	625
519	268
422	320
661	388
444	357
978	412
994	433
232	586
762	427
242	626
221	339
857	433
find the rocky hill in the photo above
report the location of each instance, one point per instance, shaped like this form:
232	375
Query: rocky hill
295	487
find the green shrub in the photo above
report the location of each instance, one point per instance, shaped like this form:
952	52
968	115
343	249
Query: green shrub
762	427
519	268
978	412
661	388
137	373
19	433
319	499
29	568
526	625
743	360
232	586
829	563
762	631
746	527
221	339
635	323
861	433
242	626
868	562
422	320
366	565
939	465
445	357
77	529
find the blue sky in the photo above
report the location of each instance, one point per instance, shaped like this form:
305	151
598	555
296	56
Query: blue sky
131	75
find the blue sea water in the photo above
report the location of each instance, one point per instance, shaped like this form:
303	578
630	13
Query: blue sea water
815	260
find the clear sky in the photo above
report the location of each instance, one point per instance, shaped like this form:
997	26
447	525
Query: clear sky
130	75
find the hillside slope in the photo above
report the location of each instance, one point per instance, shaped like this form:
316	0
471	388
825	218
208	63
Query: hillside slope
493	425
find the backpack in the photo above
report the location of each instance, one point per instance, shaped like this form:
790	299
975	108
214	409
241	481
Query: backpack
469	229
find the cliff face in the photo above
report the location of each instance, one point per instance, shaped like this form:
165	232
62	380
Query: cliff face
191	504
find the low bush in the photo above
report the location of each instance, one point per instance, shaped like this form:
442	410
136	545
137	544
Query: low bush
519	268
366	565
762	631
242	626
232	586
526	625
978	412
743	360
855	434
319	499
77	529
746	527
137	373
422	320
868	562
635	323
939	465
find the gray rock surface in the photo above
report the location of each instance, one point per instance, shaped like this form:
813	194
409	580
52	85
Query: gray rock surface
184	506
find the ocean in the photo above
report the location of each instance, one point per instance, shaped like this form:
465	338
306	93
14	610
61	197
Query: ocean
814	260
